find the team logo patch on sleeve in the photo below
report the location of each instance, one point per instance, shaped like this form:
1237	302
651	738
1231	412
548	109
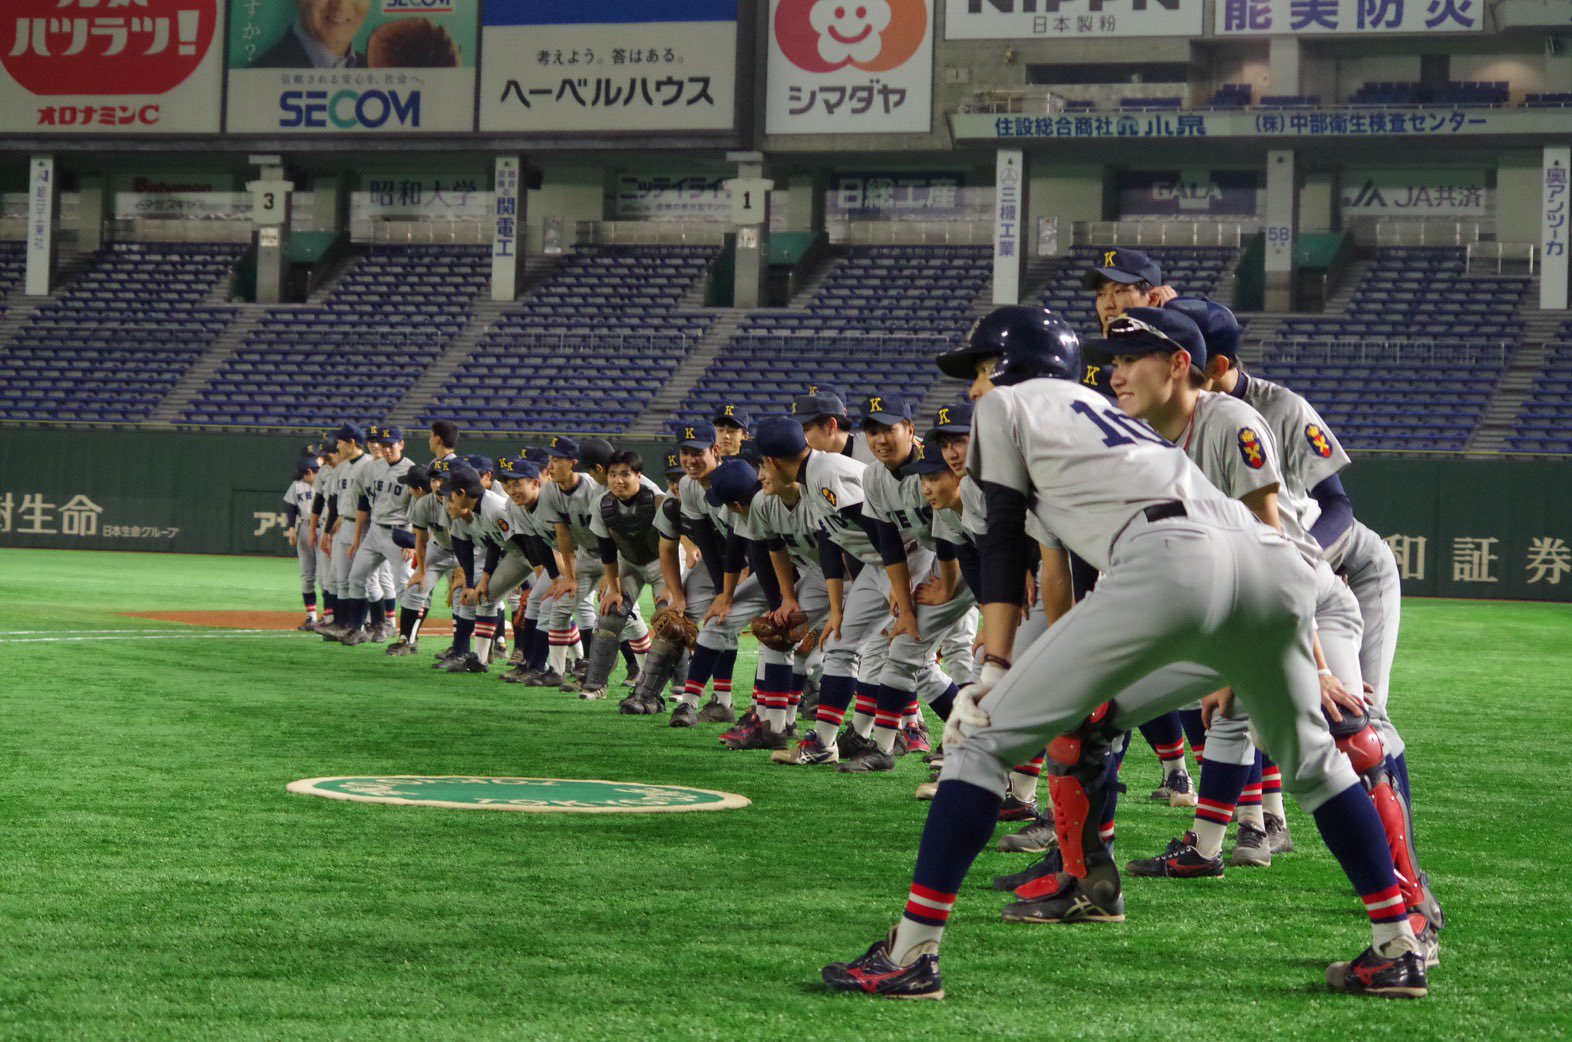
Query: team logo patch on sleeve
1250	448
502	523
1318	441
829	497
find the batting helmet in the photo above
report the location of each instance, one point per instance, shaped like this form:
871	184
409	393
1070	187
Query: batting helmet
1028	342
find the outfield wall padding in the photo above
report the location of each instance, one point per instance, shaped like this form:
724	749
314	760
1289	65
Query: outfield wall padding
1460	528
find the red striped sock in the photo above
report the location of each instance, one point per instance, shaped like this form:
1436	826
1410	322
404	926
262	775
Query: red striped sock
929	907
828	721
1199	751
1271	779
1251	797
1170	753
867	705
1215	811
1033	767
641	646
1385	906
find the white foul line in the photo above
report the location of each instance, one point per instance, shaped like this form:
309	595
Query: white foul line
130	635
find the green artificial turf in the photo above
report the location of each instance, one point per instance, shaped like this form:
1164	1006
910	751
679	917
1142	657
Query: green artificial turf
156	881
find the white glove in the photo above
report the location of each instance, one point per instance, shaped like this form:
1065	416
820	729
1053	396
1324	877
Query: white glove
967	716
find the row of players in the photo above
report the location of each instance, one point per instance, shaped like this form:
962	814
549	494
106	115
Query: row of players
887	561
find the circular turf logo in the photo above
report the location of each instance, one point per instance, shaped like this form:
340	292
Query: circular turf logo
532	795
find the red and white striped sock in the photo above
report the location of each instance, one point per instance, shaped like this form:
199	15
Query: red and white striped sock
886	725
1250	806
722	691
1171	755
827	723
1211	825
923	922
1272	789
865	711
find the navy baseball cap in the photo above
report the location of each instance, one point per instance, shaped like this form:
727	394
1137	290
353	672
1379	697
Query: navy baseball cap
735	415
928	461
780	437
511	467
480	464
1123	265
310	463
750	453
562	448
695	434
1219	328
818	402
312	450
595	452
349	432
884	410
417	477
673	464
952	419
439	468
465	480
535	454
1147	331
734	481
388	435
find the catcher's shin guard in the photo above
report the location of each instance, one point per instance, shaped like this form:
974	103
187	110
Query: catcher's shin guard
660	665
603	650
1077	767
1362	743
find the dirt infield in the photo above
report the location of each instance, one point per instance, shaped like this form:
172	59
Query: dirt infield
253	620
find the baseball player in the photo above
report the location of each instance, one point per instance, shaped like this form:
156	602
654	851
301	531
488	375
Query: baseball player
298	498
571	503
832	485
826	424
1129	278
482	536
732	423
348	473
533	521
382	533
1312	459
787	531
433	558
1189	576
320	510
689	591
919	567
628	542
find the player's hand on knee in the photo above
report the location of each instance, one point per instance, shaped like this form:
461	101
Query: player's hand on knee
416	581
611	601
832	628
932	592
1216	702
719	608
1335	698
905	625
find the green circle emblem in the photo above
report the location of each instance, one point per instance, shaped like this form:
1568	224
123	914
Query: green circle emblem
531	795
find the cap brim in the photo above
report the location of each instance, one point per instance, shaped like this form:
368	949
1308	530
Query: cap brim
1094	278
700	445
868	421
1102	351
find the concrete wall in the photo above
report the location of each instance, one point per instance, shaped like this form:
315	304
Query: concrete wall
1517	196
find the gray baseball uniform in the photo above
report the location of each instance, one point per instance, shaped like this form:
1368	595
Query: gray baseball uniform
347	482
300	495
389	500
1190	576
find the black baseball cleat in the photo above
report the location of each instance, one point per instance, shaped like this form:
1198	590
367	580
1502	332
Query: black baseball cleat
466	663
401	648
1033	839
1180	861
633	705
1400	976
716	713
309	626
761	737
547	677
749	721
331	634
874	974
1069	904
850	743
1047	865
1013	809
868	761
354	637
684	715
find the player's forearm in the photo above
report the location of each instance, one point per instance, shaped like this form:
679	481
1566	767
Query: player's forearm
901	586
670	565
837	590
780	561
565	548
999	621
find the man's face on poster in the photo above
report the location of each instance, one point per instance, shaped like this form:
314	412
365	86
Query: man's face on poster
333	23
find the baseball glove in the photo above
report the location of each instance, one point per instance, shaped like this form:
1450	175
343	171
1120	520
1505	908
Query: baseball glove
781	638
675	627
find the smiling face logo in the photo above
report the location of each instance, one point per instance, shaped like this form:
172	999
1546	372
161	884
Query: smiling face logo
873	35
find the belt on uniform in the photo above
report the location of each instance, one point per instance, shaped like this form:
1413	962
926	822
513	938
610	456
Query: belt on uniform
1164	511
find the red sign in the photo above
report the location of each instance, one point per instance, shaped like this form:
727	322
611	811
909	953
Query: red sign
105	47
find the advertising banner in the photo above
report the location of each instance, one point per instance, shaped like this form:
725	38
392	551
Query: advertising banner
886	196
1416	193
1349	17
1056	19
352	66
110	66
672	197
841	68
182	206
1143	193
566	67
1553	227
421	196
